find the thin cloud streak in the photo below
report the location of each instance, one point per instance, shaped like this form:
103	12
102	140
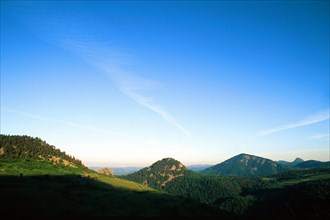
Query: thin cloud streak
315	118
96	52
129	84
99	130
132	86
155	108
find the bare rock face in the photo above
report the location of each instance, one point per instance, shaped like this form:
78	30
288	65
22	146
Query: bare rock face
105	171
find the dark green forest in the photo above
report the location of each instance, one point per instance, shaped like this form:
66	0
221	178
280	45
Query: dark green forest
241	196
184	182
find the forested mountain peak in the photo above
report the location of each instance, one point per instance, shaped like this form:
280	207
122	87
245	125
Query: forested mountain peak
246	159
297	161
159	173
246	165
26	147
167	164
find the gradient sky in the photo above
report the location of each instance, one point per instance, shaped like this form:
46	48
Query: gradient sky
129	83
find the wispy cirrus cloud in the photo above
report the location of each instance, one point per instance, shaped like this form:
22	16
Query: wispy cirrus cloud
133	86
82	40
130	84
312	119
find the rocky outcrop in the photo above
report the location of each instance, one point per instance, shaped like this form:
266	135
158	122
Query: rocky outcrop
105	171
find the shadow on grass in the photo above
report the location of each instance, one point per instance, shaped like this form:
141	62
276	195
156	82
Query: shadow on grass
74	196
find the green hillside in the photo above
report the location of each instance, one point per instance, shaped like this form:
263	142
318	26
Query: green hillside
48	196
248	166
25	147
42	188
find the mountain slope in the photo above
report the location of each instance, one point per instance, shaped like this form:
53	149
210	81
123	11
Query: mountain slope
313	164
25	147
247	166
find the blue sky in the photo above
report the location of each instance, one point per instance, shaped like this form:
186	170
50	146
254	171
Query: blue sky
129	83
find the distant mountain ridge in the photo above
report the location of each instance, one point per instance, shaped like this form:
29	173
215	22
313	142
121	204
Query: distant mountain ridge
313	164
198	167
300	163
119	171
246	165
293	163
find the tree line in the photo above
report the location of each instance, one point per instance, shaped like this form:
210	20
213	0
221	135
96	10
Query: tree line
26	147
